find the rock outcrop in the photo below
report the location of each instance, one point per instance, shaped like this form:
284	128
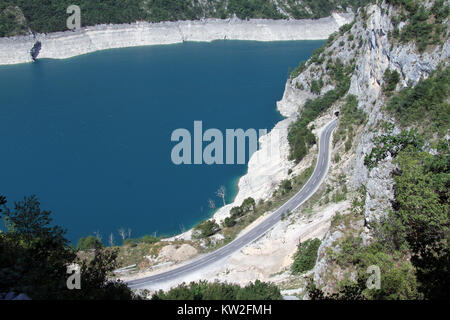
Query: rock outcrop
377	54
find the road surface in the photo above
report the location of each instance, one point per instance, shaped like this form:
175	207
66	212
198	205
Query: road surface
259	230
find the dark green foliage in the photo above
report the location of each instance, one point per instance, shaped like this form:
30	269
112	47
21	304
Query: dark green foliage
253	9
95	279
419	227
148	239
306	256
220	291
88	243
350	117
48	16
286	186
236	213
398	281
422	204
11	22
229	222
317	56
349	292
424	26
391	79
206	229
321	8
297	71
411	243
248	204
316	86
172	10
392	144
425	104
34	256
345	28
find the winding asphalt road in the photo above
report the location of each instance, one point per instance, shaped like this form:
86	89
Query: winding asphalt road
258	231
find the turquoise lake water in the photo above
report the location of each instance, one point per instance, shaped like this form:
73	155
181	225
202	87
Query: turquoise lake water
90	136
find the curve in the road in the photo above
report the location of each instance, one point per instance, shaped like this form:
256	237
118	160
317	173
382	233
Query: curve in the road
259	230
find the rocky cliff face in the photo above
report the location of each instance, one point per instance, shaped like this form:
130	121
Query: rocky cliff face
375	53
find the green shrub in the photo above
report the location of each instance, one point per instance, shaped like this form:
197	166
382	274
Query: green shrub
391	79
420	27
204	290
205	229
426	104
316	86
286	186
297	71
89	243
306	256
236	213
392	144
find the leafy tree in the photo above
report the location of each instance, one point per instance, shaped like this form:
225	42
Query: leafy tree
421	194
249	204
204	290
206	229
316	86
88	243
236	213
286	186
96	283
391	79
34	256
259	291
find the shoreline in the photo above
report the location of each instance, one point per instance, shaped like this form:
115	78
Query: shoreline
270	164
68	44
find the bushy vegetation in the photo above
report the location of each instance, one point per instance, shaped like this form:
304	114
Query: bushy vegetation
422	205
425	105
411	244
350	118
147	239
424	26
205	229
236	213
220	291
21	16
390	144
391	79
300	135
316	86
306	256
34	255
89	243
298	70
50	16
319	8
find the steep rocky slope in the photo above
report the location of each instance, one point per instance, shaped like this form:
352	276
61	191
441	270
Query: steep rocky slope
370	48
